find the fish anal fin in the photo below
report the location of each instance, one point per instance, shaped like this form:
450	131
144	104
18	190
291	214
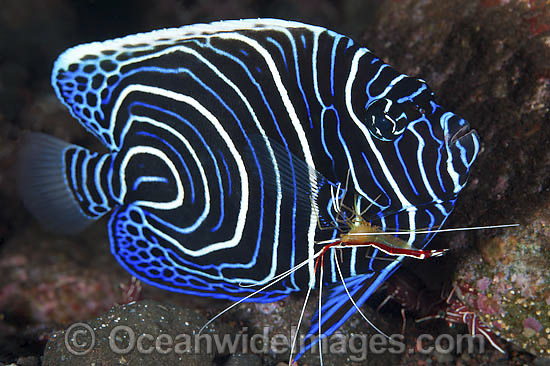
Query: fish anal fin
337	308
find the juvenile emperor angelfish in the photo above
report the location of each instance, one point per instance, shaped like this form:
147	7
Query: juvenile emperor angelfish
224	145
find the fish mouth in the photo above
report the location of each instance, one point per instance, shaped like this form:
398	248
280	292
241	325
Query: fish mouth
465	134
463	144
460	132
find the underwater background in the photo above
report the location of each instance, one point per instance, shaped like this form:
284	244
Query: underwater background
485	60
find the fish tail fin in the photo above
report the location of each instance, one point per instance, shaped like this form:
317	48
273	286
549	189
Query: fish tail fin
49	187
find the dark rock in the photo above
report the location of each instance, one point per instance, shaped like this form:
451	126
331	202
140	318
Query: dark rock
28	361
277	323
243	359
47	281
142	333
506	282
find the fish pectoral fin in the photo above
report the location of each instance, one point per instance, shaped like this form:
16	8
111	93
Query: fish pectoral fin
281	171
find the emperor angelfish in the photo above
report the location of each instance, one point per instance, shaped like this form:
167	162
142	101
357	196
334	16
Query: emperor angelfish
224	145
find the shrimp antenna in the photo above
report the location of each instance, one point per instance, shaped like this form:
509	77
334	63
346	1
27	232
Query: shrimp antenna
437	230
274	281
355	305
295	337
320	307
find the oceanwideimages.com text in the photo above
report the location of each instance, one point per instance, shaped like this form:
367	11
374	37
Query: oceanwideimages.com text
80	339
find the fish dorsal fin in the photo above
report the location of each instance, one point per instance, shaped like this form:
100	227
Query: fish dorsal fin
90	78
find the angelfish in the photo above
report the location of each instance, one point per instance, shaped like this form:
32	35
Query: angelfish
224	143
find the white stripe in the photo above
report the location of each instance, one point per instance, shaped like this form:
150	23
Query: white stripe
299	131
170	205
353	262
84	173
276	233
238	160
450	167
314	69
353	72
421	166
97	179
204	179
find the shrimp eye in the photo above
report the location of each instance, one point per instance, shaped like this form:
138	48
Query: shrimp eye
386	120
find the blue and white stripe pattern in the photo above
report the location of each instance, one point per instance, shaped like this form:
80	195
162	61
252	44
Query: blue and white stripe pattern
224	142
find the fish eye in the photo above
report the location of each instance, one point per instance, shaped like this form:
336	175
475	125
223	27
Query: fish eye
385	119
